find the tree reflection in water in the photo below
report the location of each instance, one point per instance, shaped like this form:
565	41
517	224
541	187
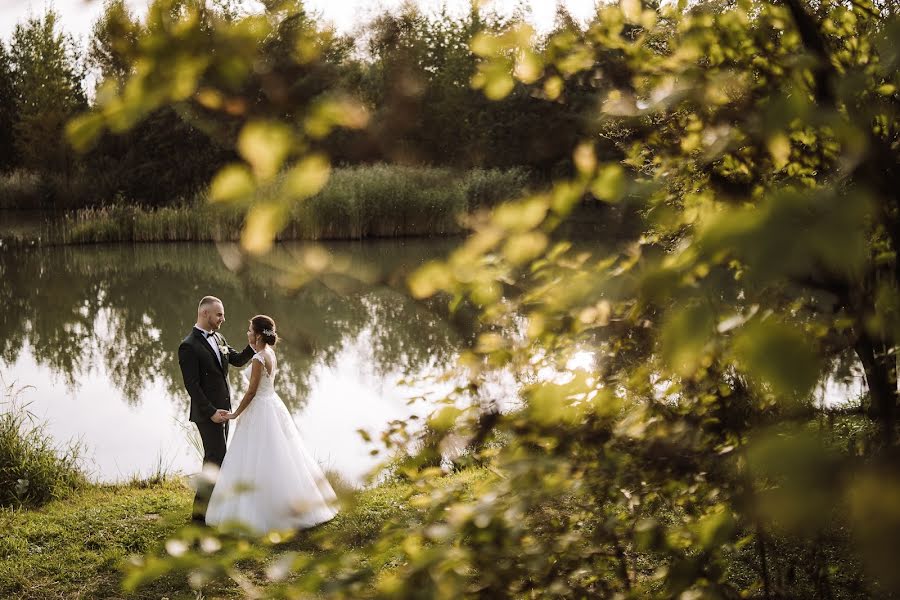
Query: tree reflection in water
127	307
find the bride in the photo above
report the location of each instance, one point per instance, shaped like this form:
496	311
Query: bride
268	479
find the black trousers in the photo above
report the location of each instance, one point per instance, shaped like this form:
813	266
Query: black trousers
213	437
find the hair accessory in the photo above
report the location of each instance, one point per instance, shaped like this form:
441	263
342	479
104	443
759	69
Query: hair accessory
268	332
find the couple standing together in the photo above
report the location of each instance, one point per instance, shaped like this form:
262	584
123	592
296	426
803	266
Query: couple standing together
268	480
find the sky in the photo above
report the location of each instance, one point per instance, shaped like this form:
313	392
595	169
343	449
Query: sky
79	15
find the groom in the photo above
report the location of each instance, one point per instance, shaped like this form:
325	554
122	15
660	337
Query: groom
204	356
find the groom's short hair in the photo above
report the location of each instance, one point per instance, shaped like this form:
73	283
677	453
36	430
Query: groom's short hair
207	300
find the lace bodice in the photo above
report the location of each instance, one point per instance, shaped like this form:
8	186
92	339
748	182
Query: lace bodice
267	380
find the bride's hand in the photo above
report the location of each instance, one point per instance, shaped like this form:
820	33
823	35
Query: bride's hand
231	416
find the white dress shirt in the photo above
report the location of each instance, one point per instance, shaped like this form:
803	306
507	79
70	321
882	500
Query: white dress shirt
211	340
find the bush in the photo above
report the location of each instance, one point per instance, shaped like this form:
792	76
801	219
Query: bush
32	470
20	189
24	189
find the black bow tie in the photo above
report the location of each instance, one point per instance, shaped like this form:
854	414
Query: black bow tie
209	335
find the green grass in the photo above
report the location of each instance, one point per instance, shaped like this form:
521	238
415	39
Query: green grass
77	547
73	548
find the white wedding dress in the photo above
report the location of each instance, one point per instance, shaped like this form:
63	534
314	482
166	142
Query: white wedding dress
269	481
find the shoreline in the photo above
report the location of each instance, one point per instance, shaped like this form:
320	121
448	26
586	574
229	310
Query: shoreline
592	220
362	202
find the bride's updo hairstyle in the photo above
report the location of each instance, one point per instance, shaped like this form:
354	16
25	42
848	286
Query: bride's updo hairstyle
265	326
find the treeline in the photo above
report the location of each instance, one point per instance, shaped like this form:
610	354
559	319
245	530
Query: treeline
412	71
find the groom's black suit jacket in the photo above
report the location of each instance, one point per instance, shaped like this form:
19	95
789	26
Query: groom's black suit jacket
205	380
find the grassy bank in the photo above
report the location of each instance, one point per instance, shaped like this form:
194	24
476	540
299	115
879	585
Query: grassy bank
78	547
357	202
65	538
73	548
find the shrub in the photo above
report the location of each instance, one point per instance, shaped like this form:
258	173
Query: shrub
33	470
23	189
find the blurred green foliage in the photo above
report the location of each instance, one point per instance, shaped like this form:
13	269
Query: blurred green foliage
756	145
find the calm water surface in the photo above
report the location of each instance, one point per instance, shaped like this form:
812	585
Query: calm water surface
94	332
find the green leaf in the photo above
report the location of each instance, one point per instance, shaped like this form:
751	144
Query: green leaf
631	9
496	82
548	404
485	44
553	87
716	528
521	216
265	145
684	339
307	177
444	419
83	130
528	66
185	76
429	279
335	112
264	221
779	355
780	149
585	158
231	184
524	247
609	185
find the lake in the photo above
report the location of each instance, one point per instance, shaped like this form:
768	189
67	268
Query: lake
93	331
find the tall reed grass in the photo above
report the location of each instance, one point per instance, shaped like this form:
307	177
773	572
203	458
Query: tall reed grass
358	202
391	200
33	470
126	223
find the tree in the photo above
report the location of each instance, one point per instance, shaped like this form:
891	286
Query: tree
164	159
416	77
47	79
8	157
113	42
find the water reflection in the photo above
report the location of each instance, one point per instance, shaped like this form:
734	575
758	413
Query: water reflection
101	327
96	331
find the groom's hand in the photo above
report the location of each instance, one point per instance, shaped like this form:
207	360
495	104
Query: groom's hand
220	416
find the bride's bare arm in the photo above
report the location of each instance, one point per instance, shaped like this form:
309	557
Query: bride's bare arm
255	375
